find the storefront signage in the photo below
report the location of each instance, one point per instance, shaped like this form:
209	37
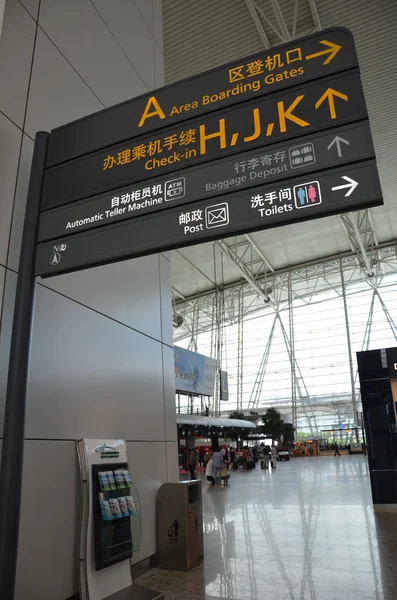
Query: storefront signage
224	386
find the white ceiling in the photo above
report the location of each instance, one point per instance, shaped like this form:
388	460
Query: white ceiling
199	35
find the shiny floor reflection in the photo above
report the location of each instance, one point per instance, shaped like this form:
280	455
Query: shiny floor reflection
306	531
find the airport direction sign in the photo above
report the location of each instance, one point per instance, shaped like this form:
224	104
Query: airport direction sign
272	70
351	187
316	106
320	151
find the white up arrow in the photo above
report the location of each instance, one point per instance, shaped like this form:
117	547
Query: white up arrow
338	141
351	185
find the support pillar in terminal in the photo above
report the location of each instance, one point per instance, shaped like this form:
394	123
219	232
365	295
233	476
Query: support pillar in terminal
378	381
288	435
215	442
190	441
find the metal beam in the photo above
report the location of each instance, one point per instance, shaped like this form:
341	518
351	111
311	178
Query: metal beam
315	15
298	379
295	20
253	402
240	351
227	251
309	282
349	346
292	353
362	239
388	316
387	252
176	293
257	22
280	20
259	252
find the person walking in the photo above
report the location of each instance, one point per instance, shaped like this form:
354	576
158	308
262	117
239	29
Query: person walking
273	454
266	458
217	461
232	456
192	464
336	449
185	459
209	471
201	455
261	454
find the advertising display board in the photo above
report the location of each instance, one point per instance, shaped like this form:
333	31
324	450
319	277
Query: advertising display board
224	386
194	373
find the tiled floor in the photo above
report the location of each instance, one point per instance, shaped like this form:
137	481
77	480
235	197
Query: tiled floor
306	531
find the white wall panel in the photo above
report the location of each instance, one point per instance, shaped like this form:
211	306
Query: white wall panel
57	93
18	214
97	365
10	143
123	17
148	467
32	6
99	57
166	301
47	557
169	393
16	53
158	21
128	291
171	449
145	7
90	376
158	66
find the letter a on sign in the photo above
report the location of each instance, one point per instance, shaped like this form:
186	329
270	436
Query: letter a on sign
152	102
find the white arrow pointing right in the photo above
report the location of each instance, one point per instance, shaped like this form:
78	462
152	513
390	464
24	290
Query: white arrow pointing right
351	185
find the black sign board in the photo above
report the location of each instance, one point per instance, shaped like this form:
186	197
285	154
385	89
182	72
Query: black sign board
269	71
334	191
282	161
315	107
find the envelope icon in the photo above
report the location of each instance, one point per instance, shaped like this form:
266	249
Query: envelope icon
217	215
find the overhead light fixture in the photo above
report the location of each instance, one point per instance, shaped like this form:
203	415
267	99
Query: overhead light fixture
177	321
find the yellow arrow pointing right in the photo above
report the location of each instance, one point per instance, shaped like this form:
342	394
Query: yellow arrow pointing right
330	94
332	51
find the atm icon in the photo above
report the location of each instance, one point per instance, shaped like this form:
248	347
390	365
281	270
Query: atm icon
175	188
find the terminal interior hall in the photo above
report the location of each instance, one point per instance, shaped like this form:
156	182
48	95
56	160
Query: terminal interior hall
252	374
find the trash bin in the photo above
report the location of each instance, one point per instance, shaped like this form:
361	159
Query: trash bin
180	525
